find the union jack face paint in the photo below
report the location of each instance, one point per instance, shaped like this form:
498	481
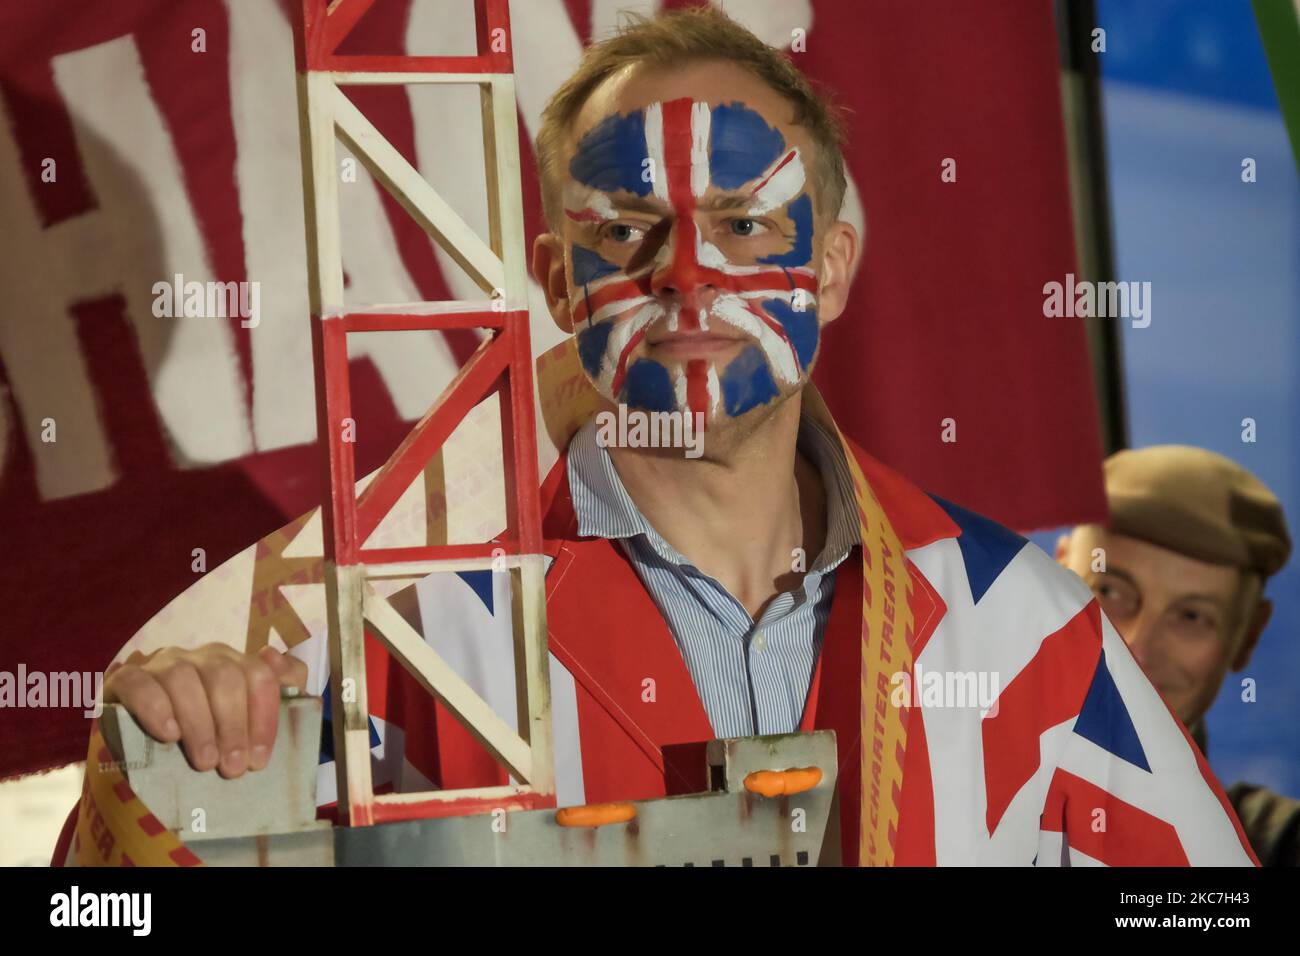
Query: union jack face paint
691	244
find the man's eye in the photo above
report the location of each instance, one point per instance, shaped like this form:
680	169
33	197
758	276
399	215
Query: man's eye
746	227
624	232
1116	599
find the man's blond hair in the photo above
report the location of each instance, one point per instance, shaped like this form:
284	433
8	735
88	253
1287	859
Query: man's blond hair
676	37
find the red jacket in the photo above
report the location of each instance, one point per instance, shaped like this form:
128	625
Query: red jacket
605	629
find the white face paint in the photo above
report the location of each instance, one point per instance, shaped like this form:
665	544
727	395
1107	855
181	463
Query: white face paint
713	319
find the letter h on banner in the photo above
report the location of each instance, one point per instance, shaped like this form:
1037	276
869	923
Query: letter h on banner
502	365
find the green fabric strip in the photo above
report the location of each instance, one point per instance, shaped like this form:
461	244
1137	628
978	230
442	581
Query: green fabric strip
1279	27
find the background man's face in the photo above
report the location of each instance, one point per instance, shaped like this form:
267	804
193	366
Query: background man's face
689	243
1180	616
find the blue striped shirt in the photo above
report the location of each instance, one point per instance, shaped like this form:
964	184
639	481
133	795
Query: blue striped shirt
752	676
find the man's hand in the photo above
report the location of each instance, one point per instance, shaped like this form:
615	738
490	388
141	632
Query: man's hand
222	705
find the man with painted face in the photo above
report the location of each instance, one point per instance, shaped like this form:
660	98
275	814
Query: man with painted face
985	712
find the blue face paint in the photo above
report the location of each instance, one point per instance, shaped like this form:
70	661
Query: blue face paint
743	152
800	212
611	156
741	145
800	328
747	382
648	386
592	339
588	266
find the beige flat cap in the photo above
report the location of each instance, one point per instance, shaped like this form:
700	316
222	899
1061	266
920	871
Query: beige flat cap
1199	504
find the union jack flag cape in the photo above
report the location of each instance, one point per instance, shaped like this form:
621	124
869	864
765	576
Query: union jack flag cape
1076	761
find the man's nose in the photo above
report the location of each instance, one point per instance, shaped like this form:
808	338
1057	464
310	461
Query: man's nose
679	274
1143	637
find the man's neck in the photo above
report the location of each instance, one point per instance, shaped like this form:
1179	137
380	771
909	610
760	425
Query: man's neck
743	512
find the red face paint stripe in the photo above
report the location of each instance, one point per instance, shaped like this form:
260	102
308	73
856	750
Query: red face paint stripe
784	162
677	154
584	215
767	280
686	271
596	300
620	371
775	326
623	288
697	387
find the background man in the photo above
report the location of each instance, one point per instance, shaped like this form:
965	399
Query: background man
1180	571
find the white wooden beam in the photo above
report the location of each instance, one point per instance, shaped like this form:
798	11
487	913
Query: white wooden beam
350	711
346	78
417	196
438	678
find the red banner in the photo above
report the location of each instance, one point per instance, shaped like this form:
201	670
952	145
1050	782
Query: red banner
148	145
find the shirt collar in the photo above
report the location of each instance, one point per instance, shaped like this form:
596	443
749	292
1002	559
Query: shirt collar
604	509
843	531
601	503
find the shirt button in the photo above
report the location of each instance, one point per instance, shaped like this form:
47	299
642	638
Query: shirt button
760	642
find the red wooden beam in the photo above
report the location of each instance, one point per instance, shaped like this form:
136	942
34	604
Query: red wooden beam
520	440
342	16
438	552
307	34
325	26
396	63
490	16
333	406
466	390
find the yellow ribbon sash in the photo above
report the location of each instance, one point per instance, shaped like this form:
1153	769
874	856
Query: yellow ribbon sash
113	827
886	627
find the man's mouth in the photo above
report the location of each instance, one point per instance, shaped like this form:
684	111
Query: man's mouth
692	342
684	345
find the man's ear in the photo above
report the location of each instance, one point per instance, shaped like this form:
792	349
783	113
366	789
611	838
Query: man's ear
1259	620
1063	549
840	251
549	271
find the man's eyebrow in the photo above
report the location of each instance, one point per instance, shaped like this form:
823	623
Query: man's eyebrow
725	201
640	204
717	203
1217	600
1119	573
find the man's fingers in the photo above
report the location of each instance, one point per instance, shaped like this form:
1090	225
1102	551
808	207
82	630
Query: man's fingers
290	671
146	699
227	689
263	709
222	705
189	701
